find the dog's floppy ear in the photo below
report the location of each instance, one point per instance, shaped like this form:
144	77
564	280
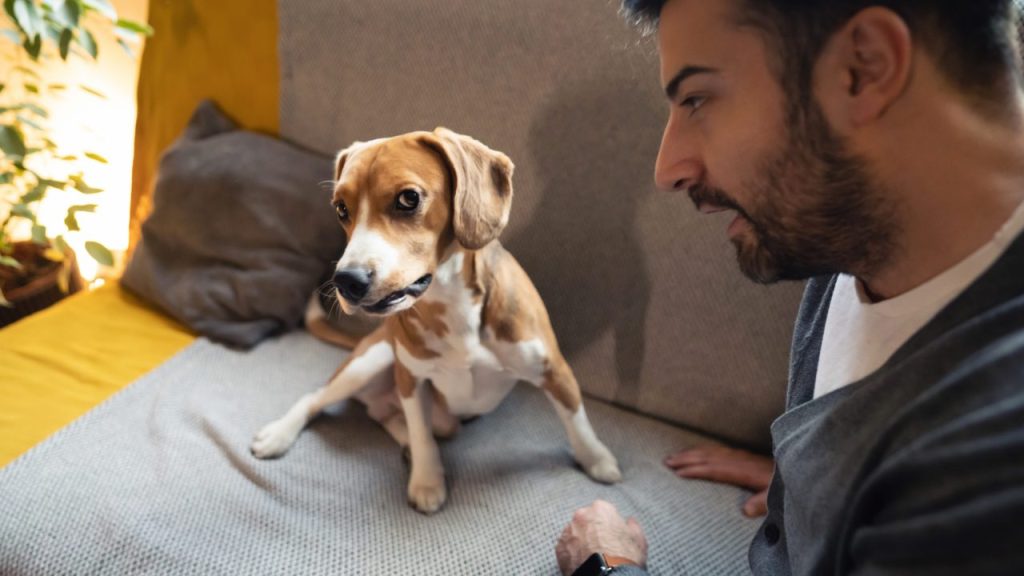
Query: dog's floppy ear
481	187
339	161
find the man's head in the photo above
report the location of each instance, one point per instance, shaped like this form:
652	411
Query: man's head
786	112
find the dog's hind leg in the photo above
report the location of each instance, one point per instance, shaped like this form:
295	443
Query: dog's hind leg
373	358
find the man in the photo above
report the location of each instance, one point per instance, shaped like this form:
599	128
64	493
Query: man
876	149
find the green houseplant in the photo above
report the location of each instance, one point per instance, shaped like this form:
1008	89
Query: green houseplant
32	164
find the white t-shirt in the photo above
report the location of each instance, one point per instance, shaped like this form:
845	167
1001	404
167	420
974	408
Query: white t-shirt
860	335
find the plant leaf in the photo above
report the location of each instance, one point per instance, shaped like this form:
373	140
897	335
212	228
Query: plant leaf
65	43
92	91
26	16
96	157
33	45
23	211
66	13
35	194
71	222
35	109
8	261
126	47
88	42
54	255
82	187
39	234
12	142
103	7
136	27
60	244
26	120
6	177
27	71
32	88
99	253
11	35
57	86
51	183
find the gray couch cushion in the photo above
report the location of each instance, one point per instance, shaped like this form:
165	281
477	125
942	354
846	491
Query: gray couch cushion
645	294
241	232
159	480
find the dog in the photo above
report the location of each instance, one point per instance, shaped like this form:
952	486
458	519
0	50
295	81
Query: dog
461	321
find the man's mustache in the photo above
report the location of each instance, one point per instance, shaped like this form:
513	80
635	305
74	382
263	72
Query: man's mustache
703	194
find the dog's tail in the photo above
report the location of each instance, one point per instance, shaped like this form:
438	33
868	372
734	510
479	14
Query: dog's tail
347	335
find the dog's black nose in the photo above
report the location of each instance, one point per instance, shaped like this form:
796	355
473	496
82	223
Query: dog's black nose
353	283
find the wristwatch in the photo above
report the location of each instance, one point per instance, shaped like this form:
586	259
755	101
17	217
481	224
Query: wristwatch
598	565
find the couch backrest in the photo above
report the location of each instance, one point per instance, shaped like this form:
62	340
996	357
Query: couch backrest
644	293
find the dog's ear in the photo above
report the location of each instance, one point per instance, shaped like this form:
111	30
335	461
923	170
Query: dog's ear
339	161
481	187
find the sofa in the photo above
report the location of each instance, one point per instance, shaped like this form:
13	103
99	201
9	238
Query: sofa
672	346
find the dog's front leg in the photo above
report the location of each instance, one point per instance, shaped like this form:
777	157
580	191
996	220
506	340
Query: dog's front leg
427	491
590	453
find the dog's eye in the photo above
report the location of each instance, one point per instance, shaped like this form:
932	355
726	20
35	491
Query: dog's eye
342	211
407	200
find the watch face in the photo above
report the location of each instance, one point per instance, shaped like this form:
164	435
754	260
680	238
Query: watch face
592	566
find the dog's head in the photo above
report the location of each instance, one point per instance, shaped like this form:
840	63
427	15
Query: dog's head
406	203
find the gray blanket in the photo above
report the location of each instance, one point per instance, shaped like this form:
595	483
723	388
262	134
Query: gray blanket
158	480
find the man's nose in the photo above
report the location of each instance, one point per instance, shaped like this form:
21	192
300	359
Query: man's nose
353	283
678	166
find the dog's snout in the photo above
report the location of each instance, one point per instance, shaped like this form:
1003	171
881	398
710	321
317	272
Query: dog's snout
353	283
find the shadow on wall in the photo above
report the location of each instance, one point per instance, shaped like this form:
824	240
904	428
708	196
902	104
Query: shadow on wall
593	157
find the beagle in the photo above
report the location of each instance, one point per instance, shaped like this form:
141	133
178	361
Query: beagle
461	321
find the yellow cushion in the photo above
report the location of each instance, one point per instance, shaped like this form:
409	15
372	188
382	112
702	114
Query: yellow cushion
59	363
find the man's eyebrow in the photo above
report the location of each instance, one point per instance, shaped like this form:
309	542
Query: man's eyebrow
673	85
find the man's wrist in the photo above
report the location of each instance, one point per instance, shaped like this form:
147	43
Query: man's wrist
599	564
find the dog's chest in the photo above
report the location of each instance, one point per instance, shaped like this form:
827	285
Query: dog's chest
473	371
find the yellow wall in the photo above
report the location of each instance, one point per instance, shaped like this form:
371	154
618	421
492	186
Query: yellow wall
225	50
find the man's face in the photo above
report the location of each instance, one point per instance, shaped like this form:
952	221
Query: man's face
736	141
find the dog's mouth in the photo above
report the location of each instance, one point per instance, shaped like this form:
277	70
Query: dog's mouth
391	301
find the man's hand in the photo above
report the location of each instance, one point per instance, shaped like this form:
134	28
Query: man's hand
728	466
600	528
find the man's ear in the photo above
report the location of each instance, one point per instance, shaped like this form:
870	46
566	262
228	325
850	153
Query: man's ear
866	65
481	186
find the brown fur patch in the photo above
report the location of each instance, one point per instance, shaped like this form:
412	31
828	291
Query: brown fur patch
404	381
560	382
430	315
409	335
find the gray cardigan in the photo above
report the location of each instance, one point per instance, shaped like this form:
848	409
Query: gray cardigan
919	467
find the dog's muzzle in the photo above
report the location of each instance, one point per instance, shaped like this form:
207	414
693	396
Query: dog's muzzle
354	283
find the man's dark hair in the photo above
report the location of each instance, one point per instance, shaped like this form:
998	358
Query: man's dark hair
973	42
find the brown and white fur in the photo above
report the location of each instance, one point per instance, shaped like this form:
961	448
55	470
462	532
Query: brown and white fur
463	323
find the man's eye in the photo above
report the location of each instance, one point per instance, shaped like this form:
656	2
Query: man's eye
693	103
342	211
407	200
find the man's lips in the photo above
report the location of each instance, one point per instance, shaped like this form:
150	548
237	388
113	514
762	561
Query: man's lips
708	208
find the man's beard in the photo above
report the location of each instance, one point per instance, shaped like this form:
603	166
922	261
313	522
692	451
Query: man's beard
814	209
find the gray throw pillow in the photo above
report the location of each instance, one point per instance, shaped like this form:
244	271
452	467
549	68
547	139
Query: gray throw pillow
241	232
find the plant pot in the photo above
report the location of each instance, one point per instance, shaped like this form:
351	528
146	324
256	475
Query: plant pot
41	288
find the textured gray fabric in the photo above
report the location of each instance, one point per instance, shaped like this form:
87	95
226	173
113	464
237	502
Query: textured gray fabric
644	294
159	480
917	468
240	234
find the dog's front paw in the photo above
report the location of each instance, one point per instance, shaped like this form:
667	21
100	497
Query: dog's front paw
605	471
274	439
427	497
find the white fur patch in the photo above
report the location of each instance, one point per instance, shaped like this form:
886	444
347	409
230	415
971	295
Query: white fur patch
368	249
